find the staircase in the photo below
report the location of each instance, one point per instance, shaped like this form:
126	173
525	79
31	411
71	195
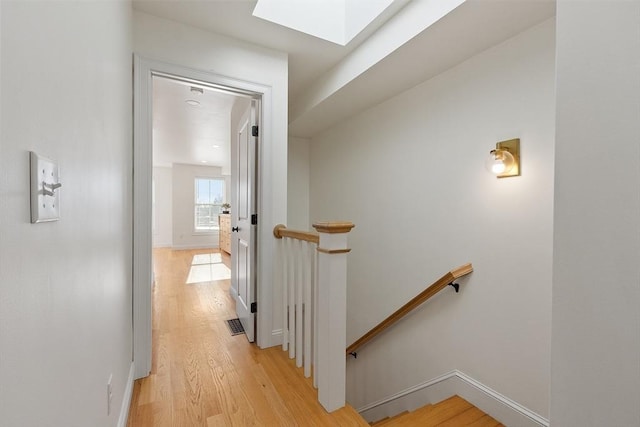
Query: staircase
452	412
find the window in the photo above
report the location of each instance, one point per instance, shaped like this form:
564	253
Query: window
209	196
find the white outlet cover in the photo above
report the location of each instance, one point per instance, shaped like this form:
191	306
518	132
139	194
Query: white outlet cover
45	189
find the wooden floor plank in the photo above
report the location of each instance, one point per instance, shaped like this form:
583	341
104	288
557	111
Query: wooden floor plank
201	375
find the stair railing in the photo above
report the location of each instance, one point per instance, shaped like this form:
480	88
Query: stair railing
314	278
446	280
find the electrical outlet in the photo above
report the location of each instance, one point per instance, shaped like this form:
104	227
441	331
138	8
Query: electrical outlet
109	394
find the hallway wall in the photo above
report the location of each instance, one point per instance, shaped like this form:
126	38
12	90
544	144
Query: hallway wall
298	185
163	207
410	174
65	286
596	268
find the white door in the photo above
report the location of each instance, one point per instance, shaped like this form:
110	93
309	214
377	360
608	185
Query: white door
244	221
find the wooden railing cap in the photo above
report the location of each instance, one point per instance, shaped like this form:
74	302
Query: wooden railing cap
333	227
280	231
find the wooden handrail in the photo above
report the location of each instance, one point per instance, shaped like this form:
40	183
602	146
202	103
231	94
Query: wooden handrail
436	287
280	231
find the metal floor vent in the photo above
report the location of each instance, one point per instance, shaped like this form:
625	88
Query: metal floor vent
235	327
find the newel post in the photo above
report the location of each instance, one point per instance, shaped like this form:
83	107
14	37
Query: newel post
332	313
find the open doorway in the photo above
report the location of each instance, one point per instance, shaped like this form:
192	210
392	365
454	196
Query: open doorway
202	199
191	192
192	128
196	165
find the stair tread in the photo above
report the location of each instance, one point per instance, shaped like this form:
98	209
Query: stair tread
485	421
435	414
451	412
464	418
390	420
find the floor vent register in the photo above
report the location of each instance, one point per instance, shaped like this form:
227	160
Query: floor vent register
235	327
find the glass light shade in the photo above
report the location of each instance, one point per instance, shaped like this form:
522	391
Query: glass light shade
500	162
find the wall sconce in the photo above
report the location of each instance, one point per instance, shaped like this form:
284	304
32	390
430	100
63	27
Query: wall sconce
504	161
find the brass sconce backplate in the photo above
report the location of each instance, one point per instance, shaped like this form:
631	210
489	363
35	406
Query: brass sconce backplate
513	147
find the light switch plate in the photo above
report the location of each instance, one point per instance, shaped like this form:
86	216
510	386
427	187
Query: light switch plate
45	189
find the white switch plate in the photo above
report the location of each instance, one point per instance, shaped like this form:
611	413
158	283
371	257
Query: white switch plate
44	180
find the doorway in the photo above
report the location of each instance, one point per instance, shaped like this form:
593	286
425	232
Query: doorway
145	72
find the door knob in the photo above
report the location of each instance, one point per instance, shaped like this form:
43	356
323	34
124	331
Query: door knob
235	229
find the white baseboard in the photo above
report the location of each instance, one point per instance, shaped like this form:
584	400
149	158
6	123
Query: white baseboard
273	340
500	407
126	399
276	337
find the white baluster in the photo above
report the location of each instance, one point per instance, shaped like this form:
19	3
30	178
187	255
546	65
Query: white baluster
314	257
307	265
299	300
284	256
292	300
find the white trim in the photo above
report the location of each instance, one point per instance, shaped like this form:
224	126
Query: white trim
142	210
513	405
276	336
408	391
126	399
502	408
144	70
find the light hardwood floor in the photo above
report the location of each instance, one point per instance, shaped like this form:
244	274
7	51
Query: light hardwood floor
203	376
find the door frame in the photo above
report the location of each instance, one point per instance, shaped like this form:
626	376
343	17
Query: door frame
143	72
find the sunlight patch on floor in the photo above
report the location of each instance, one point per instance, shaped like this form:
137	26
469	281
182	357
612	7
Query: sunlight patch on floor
211	258
207	268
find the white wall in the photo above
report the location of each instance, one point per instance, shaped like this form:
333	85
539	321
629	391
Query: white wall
298	186
163	209
596	277
184	236
165	40
65	310
410	174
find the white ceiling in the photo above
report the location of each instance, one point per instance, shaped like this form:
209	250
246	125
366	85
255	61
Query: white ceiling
180	132
309	57
464	31
188	134
468	27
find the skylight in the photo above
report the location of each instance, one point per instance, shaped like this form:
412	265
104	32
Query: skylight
337	21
